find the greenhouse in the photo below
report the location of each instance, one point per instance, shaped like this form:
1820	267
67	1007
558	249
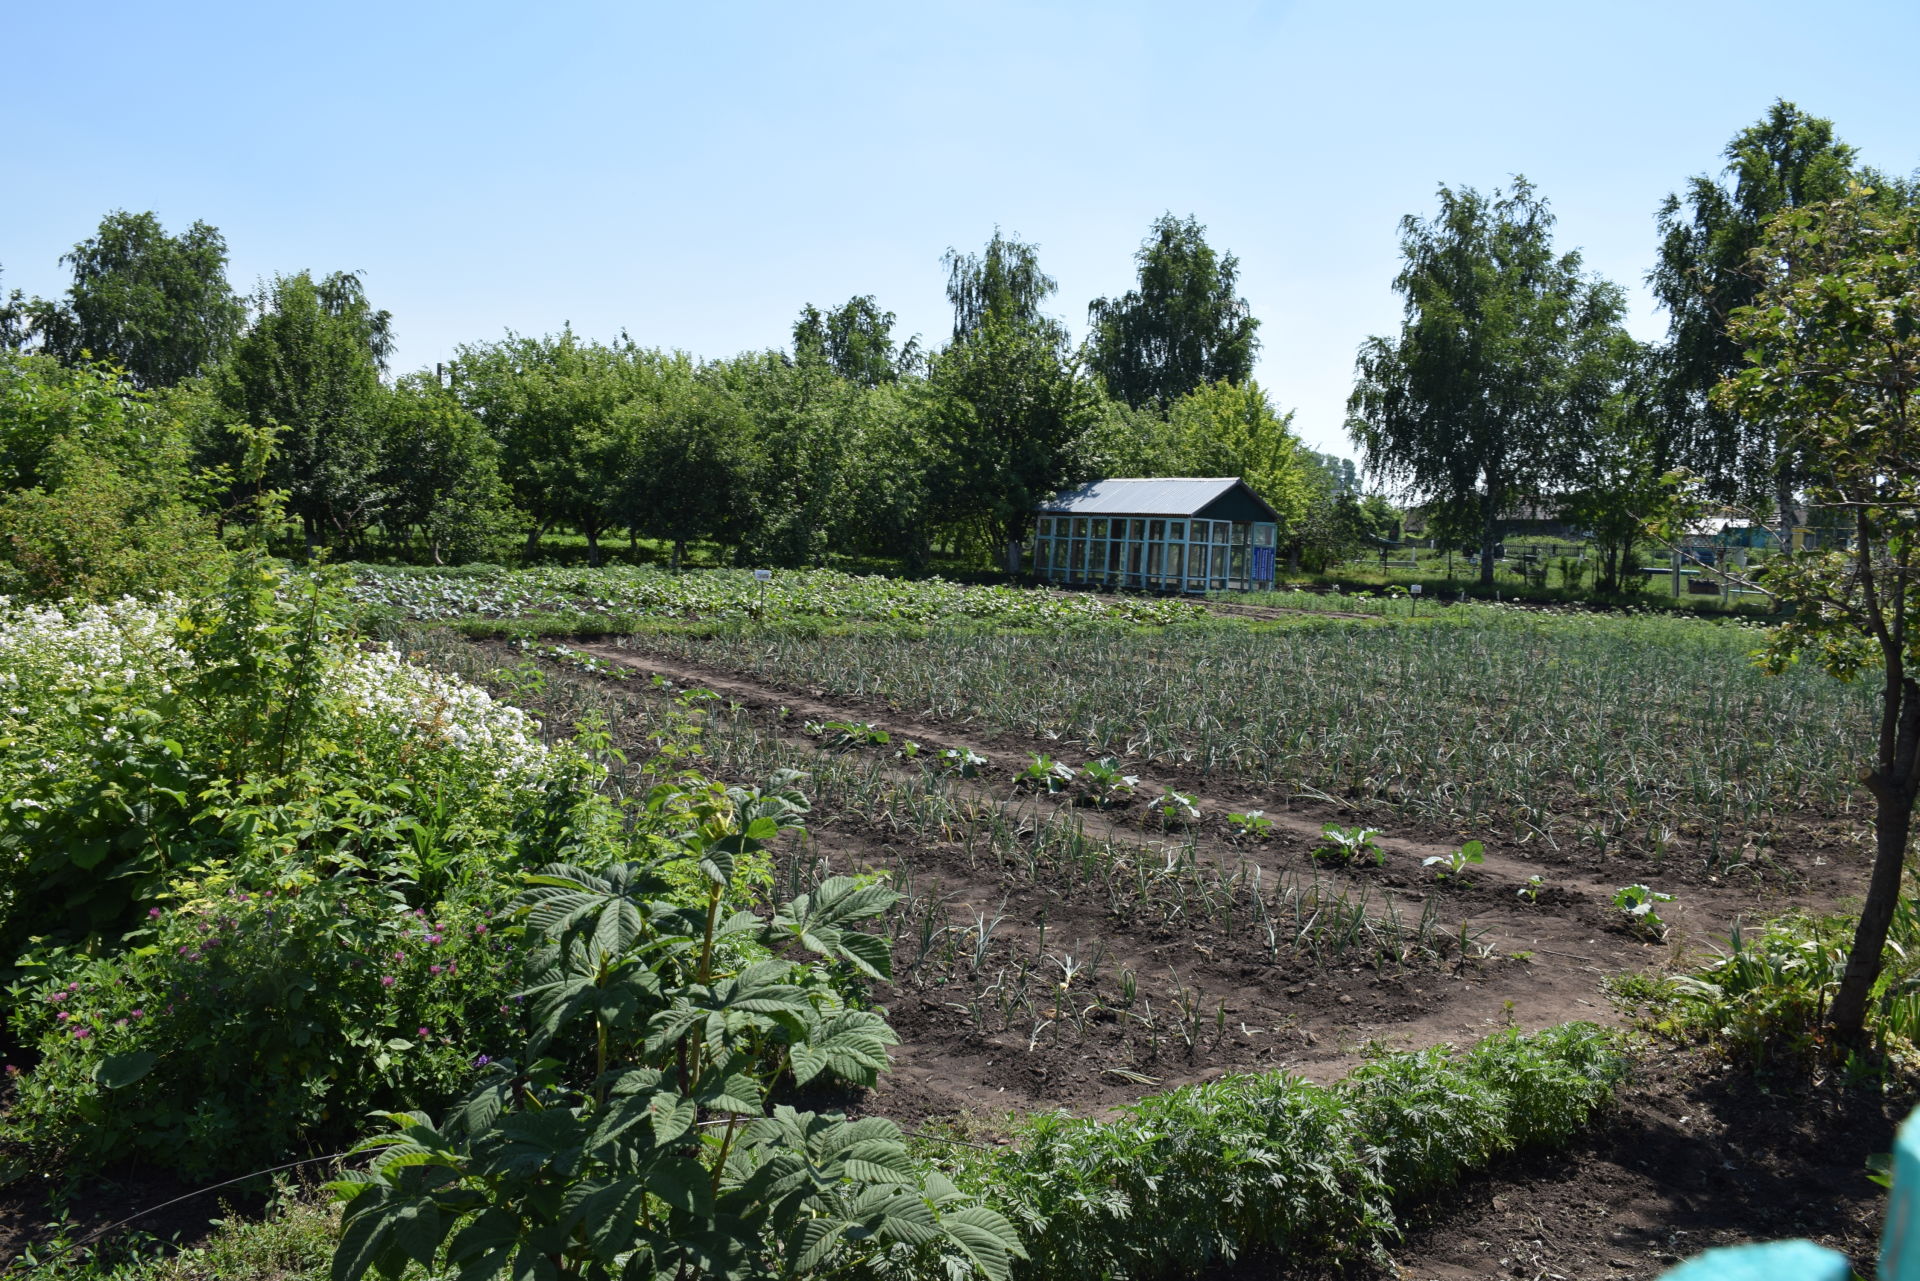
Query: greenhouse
1205	534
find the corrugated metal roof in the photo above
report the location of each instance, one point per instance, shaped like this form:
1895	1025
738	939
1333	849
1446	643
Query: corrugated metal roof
1180	496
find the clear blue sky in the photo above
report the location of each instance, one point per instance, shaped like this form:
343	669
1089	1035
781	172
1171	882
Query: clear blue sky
695	172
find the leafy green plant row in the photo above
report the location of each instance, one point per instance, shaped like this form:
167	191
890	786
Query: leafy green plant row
1270	1165
1163	884
1640	734
790	595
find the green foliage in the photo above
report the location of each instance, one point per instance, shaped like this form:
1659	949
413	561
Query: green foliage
1268	1165
309	367
618	1174
1640	906
787	602
156	305
440	470
855	340
1834	360
1044	774
1349	845
263	1008
1763	998
1786	160
1182	329
1496	362
1456	863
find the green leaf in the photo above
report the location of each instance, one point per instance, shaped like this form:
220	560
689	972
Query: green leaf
117	1071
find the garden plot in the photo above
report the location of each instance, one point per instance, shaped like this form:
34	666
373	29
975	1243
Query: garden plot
1635	747
1083	947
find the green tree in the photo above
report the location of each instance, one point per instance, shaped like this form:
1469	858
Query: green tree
1709	232
554	406
157	305
1005	282
1473	401
1182	329
1833	343
440	473
1613	474
1228	430
855	340
688	465
97	496
1006	418
309	366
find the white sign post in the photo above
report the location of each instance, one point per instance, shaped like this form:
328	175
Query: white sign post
1413	593
763	577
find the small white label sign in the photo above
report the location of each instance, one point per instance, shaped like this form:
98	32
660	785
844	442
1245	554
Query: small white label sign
763	574
1415	589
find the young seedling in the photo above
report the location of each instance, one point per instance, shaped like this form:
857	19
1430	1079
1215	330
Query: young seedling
1106	783
1044	774
1178	807
1348	845
1253	823
1457	862
1638	903
963	761
1531	890
847	735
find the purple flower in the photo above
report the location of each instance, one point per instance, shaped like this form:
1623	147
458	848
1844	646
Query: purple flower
433	969
424	1034
386	980
62	1017
481	1060
153	914
399	956
58	996
138	1013
479	929
82	1033
433	939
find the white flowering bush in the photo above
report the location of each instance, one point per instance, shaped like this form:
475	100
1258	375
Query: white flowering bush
138	738
248	864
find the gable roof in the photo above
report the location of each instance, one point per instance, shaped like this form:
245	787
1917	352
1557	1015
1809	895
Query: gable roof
1153	496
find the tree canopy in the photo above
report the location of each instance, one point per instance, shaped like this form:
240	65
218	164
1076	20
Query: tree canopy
1182	328
156	305
1833	340
1786	160
1500	335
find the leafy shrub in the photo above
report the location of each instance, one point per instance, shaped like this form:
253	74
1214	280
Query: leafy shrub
1274	1165
260	1010
674	1156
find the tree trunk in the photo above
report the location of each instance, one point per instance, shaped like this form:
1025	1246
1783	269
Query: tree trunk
593	545
1892	785
533	538
1489	534
679	550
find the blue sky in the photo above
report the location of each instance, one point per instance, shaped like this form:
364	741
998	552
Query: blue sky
694	173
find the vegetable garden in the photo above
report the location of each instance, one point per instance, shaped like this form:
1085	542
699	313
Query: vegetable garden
835	925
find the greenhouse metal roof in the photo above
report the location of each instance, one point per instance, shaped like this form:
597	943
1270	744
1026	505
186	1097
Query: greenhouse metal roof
1154	496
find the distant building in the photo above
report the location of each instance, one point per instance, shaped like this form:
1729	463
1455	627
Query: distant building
1157	535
